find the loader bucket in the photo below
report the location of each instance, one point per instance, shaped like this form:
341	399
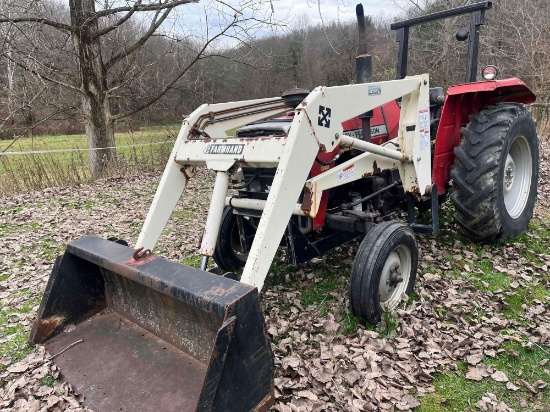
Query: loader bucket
153	335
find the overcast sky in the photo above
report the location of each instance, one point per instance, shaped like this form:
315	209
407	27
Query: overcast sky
190	20
332	9
193	19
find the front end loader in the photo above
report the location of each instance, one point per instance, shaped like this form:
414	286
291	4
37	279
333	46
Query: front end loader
306	172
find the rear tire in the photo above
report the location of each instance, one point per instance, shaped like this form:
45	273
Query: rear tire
384	269
229	255
495	174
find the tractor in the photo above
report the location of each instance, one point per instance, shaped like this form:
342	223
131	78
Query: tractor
308	171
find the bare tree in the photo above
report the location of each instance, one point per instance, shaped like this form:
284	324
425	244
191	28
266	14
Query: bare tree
518	41
96	50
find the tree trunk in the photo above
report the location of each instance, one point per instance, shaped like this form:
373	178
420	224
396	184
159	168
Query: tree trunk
99	134
95	101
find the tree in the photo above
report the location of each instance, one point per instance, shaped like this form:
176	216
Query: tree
96	51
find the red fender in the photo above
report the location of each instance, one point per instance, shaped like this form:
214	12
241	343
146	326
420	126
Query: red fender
461	101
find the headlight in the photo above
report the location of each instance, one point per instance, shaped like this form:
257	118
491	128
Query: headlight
490	72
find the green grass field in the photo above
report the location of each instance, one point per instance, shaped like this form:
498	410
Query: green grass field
78	141
141	149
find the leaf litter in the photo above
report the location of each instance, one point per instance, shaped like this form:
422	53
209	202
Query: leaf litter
320	363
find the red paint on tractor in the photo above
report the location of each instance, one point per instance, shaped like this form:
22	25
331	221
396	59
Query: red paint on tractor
462	101
317	169
497	91
386	115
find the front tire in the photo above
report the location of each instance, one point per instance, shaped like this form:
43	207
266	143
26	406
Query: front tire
384	269
496	172
229	254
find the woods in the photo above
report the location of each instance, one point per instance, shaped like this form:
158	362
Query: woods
99	69
100	56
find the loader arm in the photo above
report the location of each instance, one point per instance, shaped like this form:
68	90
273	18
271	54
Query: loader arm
316	128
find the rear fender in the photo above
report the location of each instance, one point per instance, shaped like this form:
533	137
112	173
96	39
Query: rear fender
462	101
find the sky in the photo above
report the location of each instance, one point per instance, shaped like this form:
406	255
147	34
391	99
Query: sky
332	9
206	18
191	19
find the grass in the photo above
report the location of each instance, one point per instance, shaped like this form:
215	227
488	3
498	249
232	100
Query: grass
279	271
319	293
7	228
522	296
16	347
534	241
48	380
455	393
36	171
182	214
78	141
192	260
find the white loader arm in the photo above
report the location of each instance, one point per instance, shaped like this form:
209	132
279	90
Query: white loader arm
316	127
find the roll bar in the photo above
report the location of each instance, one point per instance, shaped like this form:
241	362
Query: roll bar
477	18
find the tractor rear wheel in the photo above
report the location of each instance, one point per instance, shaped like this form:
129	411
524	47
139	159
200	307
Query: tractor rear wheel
229	254
384	269
496	172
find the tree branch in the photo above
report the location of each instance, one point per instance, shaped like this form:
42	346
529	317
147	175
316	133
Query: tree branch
38	20
118	23
39	75
147	7
155	24
179	76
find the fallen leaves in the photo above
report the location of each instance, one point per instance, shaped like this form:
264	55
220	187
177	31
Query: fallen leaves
489	402
499	376
322	363
475	358
18	367
33	384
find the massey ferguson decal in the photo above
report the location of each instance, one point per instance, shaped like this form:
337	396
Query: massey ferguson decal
229	149
375	131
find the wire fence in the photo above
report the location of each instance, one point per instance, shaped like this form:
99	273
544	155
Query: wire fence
37	169
28	170
32	152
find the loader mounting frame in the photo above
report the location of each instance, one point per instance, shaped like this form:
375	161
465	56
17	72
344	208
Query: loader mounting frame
316	128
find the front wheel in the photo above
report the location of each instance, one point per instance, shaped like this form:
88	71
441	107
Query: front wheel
230	255
383	271
496	172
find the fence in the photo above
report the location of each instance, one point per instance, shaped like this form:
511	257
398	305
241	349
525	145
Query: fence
37	169
26	170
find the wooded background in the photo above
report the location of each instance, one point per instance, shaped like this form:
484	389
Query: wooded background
97	67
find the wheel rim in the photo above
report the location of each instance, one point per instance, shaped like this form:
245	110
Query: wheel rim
236	244
395	277
517	176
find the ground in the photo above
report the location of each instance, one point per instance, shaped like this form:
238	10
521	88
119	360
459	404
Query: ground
475	335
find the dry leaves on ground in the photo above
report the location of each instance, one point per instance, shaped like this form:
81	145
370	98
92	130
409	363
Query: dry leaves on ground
319	364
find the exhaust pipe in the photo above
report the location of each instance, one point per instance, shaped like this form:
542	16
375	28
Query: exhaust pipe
363	66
